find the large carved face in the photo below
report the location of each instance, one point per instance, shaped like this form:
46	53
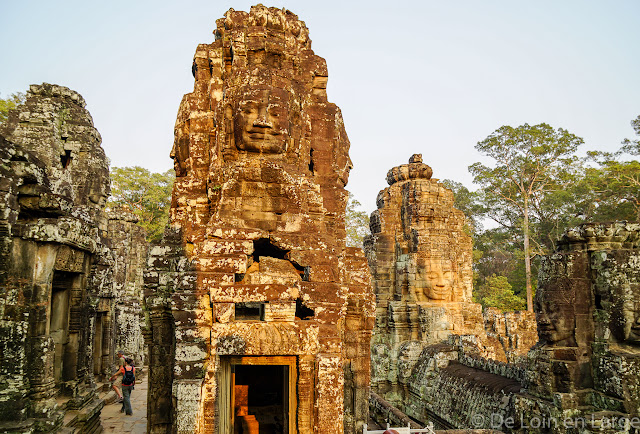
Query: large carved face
556	322
436	280
261	120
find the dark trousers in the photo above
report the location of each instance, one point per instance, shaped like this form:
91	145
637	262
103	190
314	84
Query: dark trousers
126	401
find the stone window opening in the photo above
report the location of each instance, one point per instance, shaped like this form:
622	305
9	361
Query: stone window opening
263	247
598	301
66	158
258	394
311	162
249	311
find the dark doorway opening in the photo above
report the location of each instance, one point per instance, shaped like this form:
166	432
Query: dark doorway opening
99	349
260	395
261	398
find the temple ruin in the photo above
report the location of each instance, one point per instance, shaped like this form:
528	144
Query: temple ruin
581	376
420	259
61	281
261	316
252	313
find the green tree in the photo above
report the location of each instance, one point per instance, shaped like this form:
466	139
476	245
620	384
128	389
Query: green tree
14	100
467	201
611	189
145	194
356	222
633	146
531	162
615	187
496	292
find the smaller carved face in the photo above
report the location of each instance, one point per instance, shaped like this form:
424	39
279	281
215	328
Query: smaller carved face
634	329
261	122
436	280
98	188
629	323
408	354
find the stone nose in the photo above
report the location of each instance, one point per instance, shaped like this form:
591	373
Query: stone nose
262	122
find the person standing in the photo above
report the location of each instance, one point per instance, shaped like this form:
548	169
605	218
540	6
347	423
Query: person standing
128	372
118	379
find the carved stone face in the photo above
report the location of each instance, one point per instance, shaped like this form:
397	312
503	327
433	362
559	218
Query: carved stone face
261	121
408	354
556	323
180	150
625	321
618	284
631	314
436	280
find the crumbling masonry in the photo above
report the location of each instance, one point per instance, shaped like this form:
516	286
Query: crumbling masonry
261	317
581	376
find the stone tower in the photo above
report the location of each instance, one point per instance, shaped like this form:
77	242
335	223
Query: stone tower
54	181
420	259
260	315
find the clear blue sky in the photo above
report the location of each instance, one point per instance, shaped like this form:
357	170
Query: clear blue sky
430	77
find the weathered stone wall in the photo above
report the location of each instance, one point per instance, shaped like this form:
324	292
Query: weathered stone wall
254	268
51	225
69	274
587	313
514	332
130	248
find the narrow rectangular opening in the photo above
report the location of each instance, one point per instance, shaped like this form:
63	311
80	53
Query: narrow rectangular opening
59	319
97	345
249	311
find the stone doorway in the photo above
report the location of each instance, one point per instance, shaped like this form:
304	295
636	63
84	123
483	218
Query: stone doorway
262	394
100	350
59	321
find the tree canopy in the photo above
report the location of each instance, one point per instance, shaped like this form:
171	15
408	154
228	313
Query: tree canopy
531	163
145	194
537	170
9	103
356	222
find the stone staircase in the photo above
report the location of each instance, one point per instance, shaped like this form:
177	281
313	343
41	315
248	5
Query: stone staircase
85	419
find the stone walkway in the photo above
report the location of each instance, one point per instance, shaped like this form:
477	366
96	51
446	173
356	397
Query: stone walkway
115	422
